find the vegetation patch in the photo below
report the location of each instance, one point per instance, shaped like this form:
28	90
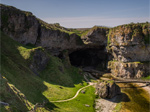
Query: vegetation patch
146	78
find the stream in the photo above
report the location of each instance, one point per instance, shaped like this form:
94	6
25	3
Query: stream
133	98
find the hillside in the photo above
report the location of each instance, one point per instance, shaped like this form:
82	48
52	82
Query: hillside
22	82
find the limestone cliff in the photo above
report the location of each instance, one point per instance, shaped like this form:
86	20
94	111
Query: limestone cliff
129	69
130	47
20	25
25	28
126	43
96	36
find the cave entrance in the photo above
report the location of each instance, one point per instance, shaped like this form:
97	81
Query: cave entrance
90	57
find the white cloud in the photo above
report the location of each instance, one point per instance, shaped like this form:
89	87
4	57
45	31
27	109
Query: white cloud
82	22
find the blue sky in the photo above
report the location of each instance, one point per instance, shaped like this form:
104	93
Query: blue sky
86	13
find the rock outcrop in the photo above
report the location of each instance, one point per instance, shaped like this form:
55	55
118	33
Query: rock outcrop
40	61
107	89
131	53
96	36
130	69
20	25
130	47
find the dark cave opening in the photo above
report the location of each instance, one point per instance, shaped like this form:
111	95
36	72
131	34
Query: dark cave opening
95	58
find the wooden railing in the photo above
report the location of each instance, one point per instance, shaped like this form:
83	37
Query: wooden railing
123	80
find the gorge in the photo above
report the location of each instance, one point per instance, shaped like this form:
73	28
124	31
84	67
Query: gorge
43	63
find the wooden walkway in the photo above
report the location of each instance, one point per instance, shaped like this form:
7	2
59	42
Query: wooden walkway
123	80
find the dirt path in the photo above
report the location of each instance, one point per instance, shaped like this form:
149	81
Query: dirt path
74	96
90	84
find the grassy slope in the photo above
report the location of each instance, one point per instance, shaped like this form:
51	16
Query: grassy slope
146	78
46	87
6	95
78	104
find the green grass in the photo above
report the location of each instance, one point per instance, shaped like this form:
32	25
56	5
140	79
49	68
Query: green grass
16	59
146	78
6	95
78	104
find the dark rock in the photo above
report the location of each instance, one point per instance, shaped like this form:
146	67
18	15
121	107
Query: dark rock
39	62
4	104
106	89
61	87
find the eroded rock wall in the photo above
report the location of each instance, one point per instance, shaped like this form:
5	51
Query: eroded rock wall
20	25
129	69
130	47
96	36
25	28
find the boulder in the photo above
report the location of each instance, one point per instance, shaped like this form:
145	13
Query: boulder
107	89
96	36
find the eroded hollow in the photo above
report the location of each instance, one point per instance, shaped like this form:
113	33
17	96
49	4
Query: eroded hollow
95	58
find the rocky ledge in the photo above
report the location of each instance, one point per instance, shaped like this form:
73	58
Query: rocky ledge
129	69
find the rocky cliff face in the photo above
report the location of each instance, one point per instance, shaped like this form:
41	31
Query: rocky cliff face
25	28
96	36
20	25
129	45
129	69
126	43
